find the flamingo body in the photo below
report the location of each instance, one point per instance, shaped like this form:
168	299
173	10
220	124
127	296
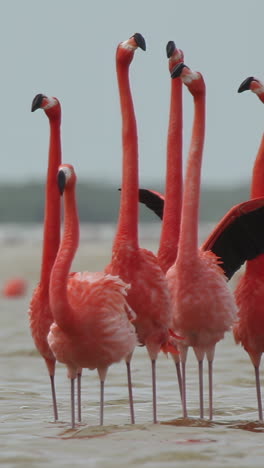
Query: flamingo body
249	328
204	307
148	295
101	333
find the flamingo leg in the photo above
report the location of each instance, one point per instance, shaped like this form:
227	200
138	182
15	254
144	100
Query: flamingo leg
184	406
154	390
54	400
200	368
130	393
79	377
72	404
210	375
260	412
179	377
101	402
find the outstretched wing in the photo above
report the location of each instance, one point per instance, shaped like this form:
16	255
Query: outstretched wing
239	236
153	200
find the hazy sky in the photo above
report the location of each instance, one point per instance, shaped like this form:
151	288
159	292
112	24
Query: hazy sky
66	48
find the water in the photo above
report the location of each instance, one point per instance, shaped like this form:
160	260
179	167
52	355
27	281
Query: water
30	438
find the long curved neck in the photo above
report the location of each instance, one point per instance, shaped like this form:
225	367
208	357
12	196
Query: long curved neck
51	235
168	246
188	242
61	310
257	185
127	228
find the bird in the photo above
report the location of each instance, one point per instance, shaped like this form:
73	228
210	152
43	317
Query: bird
148	296
249	328
40	315
204	307
14	287
92	321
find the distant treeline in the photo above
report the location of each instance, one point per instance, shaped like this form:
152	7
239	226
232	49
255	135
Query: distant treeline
98	202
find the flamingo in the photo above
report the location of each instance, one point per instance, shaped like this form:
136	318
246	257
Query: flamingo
40	316
204	307
149	296
14	287
92	321
249	328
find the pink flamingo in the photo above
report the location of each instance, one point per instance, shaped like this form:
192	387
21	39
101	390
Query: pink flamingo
149	295
92	327
204	308
249	293
40	316
15	287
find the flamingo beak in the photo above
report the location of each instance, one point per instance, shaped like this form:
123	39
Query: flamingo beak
140	41
37	101
245	84
170	48
61	179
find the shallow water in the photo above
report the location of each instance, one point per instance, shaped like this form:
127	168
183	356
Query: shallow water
30	438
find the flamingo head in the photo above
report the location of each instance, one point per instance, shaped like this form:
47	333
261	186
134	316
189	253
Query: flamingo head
193	80
174	55
66	177
50	105
254	85
125	50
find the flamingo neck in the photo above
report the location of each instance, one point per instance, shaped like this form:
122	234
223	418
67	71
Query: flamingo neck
127	227
61	309
51	235
188	241
257	186
168	246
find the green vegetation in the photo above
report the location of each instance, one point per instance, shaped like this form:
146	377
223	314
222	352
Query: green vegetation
98	202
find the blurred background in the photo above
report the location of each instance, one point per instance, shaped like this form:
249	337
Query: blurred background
67	49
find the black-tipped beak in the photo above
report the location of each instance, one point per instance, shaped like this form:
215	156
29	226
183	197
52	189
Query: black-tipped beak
140	41
245	85
170	48
176	72
61	179
36	103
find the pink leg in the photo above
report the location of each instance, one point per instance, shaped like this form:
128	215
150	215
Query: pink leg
53	393
79	377
210	374
72	404
154	391
260	412
101	402
183	355
130	393
200	367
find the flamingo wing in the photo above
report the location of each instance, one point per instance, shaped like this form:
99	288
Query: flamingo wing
239	236
152	200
